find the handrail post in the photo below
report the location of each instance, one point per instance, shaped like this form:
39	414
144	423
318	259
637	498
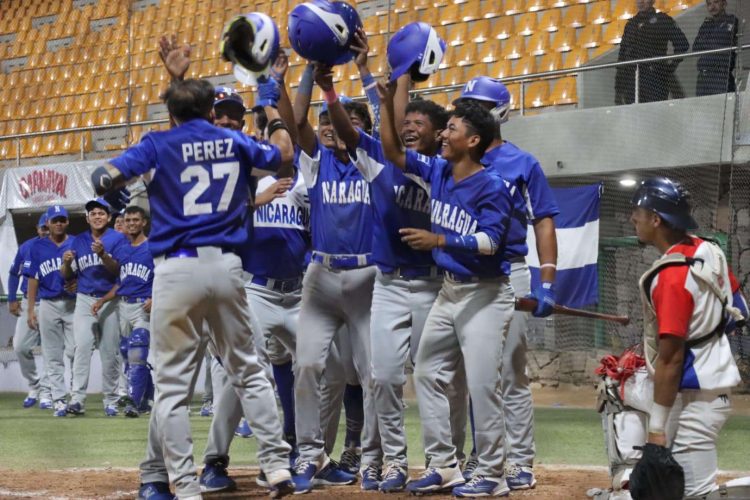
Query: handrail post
637	82
523	97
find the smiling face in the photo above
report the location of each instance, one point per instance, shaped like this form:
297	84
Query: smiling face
418	133
458	139
327	136
229	115
98	218
120	224
57	226
134	224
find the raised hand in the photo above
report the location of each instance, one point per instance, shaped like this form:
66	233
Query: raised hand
176	57
323	76
276	190
280	66
361	47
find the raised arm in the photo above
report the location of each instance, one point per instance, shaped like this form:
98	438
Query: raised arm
361	47
393	149
278	71
323	76
306	139
175	57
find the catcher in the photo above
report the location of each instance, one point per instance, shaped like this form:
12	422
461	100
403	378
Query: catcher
671	403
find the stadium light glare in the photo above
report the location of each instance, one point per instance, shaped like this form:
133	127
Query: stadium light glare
627	182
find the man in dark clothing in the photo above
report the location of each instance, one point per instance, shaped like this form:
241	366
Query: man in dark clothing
716	71
646	35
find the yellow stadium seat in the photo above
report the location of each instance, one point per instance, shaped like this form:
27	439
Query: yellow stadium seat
515	95
538	44
624	9
513	7
536	5
8	149
402	6
514	48
576	58
430	16
422	4
458	34
471	10
448	59
30	147
564	91
450	14
551	61
49	145
526	24
451	77
590	36
504	28
599	13
678	6
467	55
551	20
372	25
490	51
662	5
57	122
524	66
536	94
613	32
500	69
480	31
564	40
575	16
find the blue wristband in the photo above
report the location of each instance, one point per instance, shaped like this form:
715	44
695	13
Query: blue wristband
367	80
467	244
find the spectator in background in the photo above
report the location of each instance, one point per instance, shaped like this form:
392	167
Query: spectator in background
120	223
646	35
716	71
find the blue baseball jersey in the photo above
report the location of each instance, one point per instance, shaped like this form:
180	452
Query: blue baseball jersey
531	195
136	272
280	234
93	277
397	202
340	211
16	269
479	203
200	185
44	263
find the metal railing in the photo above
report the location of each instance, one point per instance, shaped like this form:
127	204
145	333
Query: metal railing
522	79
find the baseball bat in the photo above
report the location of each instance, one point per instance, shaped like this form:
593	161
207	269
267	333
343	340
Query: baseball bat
528	305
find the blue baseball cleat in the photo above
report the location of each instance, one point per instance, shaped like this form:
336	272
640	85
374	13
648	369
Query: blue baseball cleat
519	477
110	411
370	478
215	478
481	486
61	408
155	491
31	399
332	475
243	430
76	409
436	479
45	404
394	479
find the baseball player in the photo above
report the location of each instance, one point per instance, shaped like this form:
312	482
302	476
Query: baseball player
470	208
679	395
25	338
93	258
532	201
119	224
198	202
337	288
56	304
407	280
133	294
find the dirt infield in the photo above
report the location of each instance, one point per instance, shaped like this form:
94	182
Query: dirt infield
555	483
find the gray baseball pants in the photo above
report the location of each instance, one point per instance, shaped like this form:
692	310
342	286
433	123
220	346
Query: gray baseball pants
178	310
331	299
90	332
24	340
56	328
468	321
132	316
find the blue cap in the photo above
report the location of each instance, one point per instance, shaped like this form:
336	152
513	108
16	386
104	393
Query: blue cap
42	220
228	94
98	203
342	98
56	211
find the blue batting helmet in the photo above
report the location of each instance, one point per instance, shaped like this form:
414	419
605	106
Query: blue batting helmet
484	88
668	199
322	31
251	44
416	48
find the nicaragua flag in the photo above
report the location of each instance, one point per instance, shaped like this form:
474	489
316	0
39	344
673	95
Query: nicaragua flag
577	227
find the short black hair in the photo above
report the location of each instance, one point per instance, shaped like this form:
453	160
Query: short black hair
362	112
189	99
480	121
135	209
435	112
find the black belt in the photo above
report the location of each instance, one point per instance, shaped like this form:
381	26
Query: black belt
190	252
282	286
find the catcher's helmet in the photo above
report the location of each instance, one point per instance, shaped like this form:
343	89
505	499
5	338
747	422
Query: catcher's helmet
484	88
323	31
416	48
668	199
251	43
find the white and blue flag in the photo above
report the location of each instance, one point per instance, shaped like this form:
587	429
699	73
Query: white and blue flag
577	226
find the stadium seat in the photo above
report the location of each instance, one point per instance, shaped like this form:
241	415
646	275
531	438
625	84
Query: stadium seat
450	14
500	69
551	20
590	36
599	13
624	9
512	7
576	58
514	48
402	6
429	16
613	32
49	144
480	30
8	149
30	146
515	95
467	55
538	44
564	40
458	34
490	51
471	11
526	24
575	16
504	28
536	94
448	59
564	91
524	66
551	61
